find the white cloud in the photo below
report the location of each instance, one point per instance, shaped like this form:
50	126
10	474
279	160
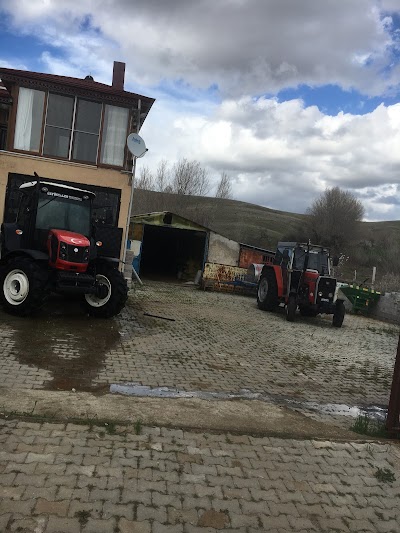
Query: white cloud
278	154
282	155
245	47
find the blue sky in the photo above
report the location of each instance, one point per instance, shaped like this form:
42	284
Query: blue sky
286	97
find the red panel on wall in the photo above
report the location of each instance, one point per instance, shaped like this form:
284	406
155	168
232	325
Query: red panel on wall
248	256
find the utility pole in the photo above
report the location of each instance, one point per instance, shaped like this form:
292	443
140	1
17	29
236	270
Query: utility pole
392	420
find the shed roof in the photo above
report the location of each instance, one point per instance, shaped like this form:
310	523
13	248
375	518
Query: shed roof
158	218
167	219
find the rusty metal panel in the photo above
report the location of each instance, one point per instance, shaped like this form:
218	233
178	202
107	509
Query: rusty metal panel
221	277
249	256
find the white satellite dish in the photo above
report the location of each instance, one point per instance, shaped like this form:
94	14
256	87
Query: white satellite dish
136	145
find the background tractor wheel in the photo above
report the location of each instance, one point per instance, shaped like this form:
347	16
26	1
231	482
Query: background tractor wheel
113	295
291	307
267	291
23	283
338	315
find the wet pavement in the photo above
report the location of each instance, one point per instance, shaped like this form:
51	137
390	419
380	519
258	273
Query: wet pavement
215	346
217	357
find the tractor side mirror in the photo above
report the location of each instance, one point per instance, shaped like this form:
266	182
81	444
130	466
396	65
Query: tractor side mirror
335	261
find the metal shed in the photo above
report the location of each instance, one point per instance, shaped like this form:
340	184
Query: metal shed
169	246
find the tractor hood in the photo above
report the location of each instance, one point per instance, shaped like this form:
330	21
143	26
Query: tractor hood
70	237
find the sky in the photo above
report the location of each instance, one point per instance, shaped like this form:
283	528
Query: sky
287	97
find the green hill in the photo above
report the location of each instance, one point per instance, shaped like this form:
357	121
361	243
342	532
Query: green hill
239	221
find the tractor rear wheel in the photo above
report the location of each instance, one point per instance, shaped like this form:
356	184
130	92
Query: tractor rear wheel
23	283
291	307
112	295
338	315
267	291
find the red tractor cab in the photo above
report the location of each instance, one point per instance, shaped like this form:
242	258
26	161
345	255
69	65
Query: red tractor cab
300	278
52	247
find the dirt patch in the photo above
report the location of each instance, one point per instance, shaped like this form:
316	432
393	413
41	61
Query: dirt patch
213	519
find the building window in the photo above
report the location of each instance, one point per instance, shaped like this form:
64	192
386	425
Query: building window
57	135
87	129
71	129
114	136
28	125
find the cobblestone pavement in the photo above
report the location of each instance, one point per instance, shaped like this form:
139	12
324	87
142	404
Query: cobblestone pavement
66	478
216	342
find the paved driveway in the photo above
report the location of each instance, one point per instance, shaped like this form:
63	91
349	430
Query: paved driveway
213	343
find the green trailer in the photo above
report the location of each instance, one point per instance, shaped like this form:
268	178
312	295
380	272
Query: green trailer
361	298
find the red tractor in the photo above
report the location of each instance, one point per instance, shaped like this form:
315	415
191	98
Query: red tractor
300	278
52	247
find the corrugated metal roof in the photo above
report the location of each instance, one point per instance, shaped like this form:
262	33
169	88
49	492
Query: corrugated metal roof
167	219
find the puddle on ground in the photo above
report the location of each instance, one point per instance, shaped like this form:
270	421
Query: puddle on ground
63	341
339	409
134	389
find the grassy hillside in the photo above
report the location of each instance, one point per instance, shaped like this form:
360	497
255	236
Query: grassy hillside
239	221
378	243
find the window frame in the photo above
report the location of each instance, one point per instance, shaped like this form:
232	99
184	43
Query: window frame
76	97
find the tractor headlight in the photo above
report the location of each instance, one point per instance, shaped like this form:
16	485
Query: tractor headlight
63	246
320	294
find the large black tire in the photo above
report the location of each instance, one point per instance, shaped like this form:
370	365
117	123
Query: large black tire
267	291
114	300
23	286
291	307
338	315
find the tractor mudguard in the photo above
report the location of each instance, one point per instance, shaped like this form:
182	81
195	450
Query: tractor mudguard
278	276
104	259
34	254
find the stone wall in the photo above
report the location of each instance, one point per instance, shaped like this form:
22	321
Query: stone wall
387	308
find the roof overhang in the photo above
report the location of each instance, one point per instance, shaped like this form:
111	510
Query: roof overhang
74	86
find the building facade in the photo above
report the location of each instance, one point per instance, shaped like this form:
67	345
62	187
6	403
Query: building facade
73	131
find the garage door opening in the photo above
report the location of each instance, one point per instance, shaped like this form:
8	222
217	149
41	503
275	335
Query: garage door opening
171	253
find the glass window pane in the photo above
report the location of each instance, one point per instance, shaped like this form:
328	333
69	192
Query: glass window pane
59	111
114	135
28	124
85	147
88	116
56	142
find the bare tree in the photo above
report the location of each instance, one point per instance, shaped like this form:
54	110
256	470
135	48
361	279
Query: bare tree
335	217
162	176
189	178
224	188
145	180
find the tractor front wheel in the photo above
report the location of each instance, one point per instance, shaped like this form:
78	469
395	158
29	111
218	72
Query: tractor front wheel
23	283
291	307
267	291
338	315
112	293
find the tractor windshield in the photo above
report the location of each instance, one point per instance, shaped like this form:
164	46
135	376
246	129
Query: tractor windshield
318	259
68	214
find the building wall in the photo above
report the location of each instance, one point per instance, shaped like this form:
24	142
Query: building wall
222	250
72	172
